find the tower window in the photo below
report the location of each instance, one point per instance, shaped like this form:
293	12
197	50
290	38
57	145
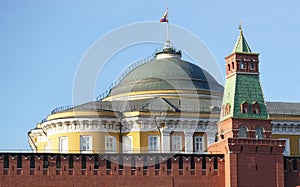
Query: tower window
227	109
232	64
228	66
259	133
256	108
251	66
255	111
242	132
245	108
242	64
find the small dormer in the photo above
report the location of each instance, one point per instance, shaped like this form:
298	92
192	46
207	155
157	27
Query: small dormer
245	107
255	108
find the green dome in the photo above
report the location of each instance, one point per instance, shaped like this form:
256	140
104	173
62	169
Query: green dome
169	73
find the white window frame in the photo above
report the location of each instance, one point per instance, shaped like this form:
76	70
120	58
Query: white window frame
62	148
127	144
110	148
287	150
89	144
201	143
175	140
151	147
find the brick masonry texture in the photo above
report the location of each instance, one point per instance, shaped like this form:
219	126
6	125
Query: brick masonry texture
105	170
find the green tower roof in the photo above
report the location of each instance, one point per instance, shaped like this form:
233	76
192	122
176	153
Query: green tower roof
241	44
243	88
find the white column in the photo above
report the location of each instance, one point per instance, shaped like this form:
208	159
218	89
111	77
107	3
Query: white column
165	141
188	142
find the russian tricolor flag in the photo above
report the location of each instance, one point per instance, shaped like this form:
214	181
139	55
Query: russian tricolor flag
164	18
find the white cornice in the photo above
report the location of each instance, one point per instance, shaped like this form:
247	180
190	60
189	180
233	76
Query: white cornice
133	124
286	127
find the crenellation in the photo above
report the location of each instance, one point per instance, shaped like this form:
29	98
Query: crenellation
131	165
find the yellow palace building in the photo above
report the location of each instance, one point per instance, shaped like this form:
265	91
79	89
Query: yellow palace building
163	105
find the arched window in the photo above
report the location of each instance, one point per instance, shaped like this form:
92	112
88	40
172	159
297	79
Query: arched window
242	132
251	66
232	64
242	64
259	133
228	108
256	108
228	65
244	107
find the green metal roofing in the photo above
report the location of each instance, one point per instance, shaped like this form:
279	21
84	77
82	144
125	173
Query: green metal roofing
167	74
242	88
241	44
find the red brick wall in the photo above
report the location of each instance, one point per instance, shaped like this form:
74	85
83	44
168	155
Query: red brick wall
230	127
291	171
208	170
252	162
257	170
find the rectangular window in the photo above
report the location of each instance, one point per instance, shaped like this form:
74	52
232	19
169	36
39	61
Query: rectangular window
153	143
251	66
286	151
127	144
63	144
242	65
198	144
110	144
176	143
85	144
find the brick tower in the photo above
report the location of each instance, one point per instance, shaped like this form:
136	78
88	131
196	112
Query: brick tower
252	158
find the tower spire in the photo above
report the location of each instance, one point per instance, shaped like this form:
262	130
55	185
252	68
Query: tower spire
241	45
240	26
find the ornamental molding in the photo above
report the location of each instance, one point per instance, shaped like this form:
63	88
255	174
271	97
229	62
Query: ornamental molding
133	124
286	127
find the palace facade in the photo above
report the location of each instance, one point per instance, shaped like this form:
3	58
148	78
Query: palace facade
167	122
163	105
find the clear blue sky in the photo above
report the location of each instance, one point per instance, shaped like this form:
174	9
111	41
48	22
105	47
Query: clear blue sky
42	42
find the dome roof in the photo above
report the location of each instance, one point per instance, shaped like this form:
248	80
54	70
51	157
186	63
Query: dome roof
167	72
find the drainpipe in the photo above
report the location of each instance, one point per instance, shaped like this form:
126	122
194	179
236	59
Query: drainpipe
31	142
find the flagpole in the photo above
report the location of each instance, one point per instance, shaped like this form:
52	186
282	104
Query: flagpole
168	25
168	31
